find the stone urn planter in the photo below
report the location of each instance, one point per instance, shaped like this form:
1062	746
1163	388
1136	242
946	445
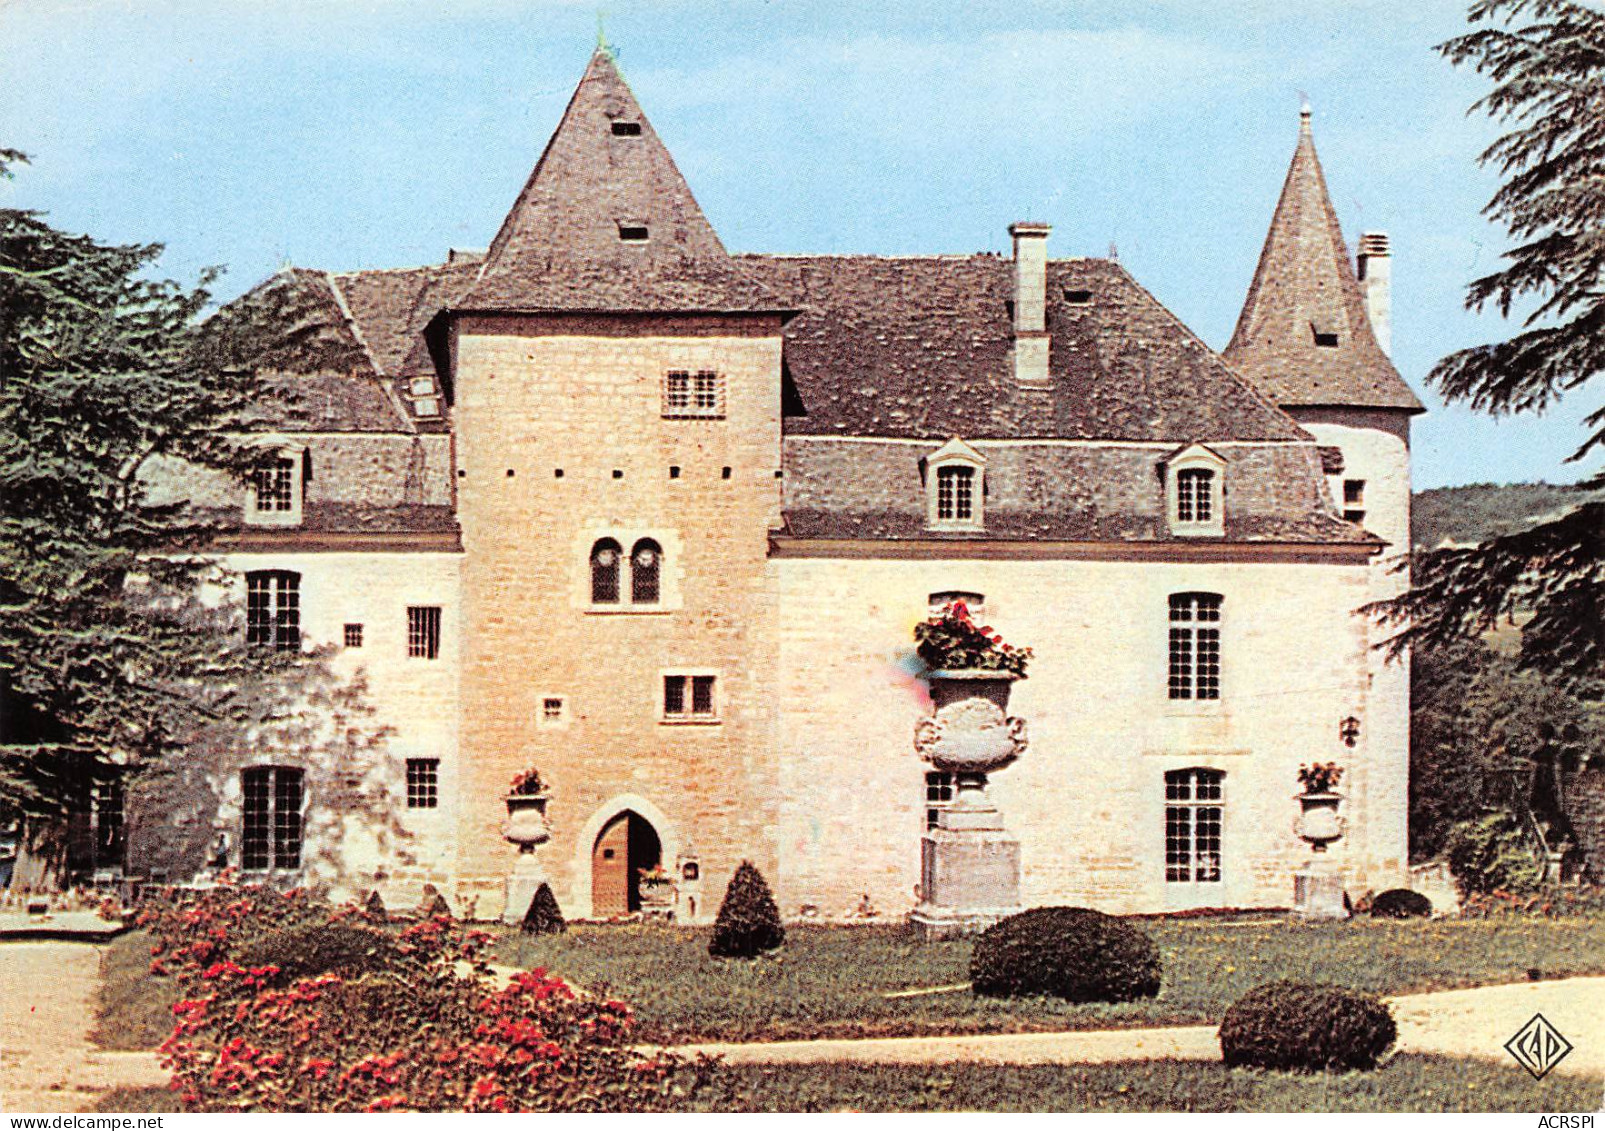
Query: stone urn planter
969	864
970	735
1319	822
526	820
1318	886
527	828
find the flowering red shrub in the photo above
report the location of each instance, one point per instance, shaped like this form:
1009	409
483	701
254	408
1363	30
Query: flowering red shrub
431	1030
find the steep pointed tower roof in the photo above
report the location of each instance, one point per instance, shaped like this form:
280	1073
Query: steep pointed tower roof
606	222
1304	337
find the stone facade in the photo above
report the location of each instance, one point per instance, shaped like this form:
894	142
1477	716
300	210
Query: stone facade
680	511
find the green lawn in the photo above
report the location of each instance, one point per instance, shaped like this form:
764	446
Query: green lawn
1408	1083
831	981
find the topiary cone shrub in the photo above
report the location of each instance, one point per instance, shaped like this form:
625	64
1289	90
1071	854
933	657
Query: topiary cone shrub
1401	903
544	917
1070	952
748	922
1297	1027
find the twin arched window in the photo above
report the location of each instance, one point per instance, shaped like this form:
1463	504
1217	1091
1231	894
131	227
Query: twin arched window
646	569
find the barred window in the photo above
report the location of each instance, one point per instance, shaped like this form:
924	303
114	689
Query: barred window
1354	500
938	795
605	572
274	485
699	393
353	636
423	783
646	559
271	837
955	494
273	609
689	698
423	632
1195	499
1194	805
1195	620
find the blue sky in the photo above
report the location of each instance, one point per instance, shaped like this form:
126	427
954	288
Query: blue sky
378	134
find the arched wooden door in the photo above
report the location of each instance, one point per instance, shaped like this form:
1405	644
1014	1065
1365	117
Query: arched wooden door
626	846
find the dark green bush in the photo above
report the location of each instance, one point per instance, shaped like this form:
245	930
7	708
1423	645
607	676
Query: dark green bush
1401	903
1297	1027
305	952
1493	853
749	921
1070	952
544	917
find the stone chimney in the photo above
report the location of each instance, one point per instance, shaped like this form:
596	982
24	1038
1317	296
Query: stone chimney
1030	302
1375	268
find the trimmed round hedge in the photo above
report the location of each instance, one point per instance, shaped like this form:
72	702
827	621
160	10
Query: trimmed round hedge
1401	903
1298	1027
1070	952
305	952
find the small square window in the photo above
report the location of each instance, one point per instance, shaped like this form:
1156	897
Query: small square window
632	232
626	129
353	636
423	783
1078	298
1325	339
273	486
553	711
423	632
688	393
690	698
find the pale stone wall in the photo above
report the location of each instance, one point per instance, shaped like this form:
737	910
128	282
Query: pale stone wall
1376	448
1087	800
533	399
414	702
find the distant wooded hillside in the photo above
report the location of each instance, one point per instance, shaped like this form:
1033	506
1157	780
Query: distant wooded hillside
1468	515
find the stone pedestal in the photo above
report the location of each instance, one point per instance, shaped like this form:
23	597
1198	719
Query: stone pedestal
969	869
522	884
1318	893
526	827
1318	886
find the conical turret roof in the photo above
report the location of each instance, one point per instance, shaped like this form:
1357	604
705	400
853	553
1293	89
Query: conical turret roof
1304	337
607	223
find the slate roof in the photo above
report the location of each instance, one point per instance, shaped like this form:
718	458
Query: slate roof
1055	492
560	247
921	347
1305	285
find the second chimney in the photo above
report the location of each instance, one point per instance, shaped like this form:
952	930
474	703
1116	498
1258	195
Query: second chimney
1030	302
1375	264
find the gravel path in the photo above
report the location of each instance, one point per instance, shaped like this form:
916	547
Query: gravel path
47	1008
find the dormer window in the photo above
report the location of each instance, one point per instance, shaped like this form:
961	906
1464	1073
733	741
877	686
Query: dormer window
1195	495
275	487
955	494
633	231
626	129
956	487
1195	492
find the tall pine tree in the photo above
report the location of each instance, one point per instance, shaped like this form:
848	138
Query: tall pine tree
109	661
1546	59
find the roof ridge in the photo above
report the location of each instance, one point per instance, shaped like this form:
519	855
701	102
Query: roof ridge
379	376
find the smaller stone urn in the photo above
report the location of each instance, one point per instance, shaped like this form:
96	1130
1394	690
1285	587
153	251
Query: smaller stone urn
1318	887
526	827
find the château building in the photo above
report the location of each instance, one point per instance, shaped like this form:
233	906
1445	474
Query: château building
658	520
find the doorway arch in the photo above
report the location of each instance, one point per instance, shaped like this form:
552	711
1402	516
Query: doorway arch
627	846
601	893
